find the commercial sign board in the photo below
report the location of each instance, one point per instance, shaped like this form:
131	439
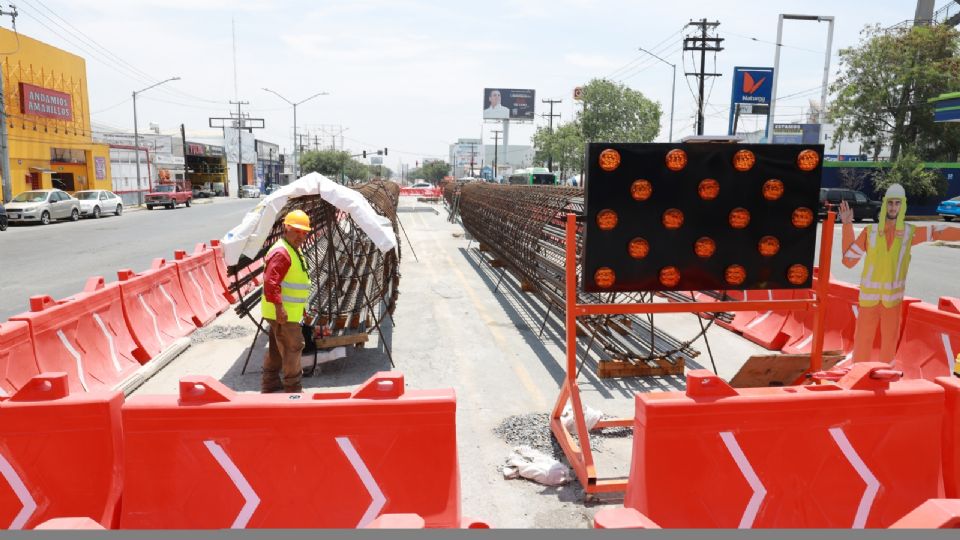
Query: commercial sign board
508	104
39	101
100	167
200	149
752	92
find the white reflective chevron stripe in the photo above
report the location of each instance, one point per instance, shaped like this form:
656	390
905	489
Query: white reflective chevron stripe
198	287
856	249
153	317
378	500
948	348
113	348
760	319
806	341
873	485
759	492
209	281
76	358
173	306
29	506
251	500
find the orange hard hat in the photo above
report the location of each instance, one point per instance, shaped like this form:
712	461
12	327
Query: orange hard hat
298	219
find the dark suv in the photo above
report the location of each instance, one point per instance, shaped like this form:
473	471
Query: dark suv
863	208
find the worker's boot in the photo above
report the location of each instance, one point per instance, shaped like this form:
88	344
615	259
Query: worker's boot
270	382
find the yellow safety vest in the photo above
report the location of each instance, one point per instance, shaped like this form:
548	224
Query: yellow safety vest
294	289
885	268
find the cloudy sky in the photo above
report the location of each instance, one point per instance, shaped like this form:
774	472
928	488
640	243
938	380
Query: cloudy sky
409	74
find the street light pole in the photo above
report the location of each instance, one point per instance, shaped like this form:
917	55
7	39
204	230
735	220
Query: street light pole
296	163
136	133
673	88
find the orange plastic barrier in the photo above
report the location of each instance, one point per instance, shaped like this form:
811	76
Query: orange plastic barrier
154	307
212	458
18	363
222	271
949	304
201	287
766	329
85	336
930	343
859	453
933	514
69	524
59	454
421	192
951	437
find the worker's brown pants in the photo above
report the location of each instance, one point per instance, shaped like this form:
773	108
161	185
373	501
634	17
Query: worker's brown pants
887	319
286	346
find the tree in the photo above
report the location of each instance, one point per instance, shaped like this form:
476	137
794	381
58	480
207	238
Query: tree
326	162
565	144
881	92
614	113
909	171
432	171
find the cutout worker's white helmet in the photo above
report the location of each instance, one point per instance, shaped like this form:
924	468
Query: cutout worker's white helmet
895	191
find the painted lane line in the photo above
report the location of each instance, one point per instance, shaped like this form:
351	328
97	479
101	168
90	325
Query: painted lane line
22	493
873	485
378	500
252	501
76	358
759	492
109	336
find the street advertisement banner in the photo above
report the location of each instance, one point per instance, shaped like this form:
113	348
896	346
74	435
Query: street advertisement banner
508	104
751	93
39	101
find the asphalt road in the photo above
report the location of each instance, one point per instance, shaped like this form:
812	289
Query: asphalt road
57	259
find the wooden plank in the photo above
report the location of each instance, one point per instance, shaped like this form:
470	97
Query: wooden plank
778	369
339	341
610	369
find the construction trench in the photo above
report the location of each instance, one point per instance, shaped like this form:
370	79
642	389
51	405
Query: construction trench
482	311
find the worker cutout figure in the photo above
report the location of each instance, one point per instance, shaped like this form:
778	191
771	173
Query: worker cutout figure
885	246
286	289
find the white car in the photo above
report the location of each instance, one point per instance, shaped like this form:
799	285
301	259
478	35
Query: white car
96	202
422	185
44	206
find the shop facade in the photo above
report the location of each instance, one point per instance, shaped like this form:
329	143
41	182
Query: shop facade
48	119
206	167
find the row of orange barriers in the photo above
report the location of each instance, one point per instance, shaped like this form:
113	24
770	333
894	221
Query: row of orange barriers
929	335
106	336
860	451
210	458
421	192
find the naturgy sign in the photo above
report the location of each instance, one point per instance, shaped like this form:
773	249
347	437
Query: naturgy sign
44	102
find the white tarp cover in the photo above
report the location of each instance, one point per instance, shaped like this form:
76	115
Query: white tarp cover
248	237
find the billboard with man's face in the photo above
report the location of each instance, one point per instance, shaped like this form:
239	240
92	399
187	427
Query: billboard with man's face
508	104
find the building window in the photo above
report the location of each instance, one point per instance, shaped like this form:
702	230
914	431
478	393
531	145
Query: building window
67	155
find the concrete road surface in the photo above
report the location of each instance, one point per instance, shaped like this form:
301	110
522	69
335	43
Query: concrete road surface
58	258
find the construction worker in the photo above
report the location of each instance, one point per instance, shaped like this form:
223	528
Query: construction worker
285	291
886	247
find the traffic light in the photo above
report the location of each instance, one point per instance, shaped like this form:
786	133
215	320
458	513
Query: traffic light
364	154
384	151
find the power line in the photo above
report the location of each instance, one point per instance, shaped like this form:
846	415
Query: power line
702	44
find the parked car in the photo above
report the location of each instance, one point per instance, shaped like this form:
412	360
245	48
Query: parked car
271	188
43	206
202	193
949	209
252	192
863	208
96	202
3	218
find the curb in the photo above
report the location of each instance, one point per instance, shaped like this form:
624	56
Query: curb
151	368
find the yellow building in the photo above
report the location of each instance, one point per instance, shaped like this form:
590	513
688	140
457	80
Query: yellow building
48	118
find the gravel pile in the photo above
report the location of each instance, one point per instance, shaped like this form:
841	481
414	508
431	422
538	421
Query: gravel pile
219	332
534	430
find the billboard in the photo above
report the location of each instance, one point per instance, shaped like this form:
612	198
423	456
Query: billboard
45	102
508	104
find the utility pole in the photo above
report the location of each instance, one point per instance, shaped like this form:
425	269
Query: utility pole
496	140
240	124
551	116
186	167
7	193
702	43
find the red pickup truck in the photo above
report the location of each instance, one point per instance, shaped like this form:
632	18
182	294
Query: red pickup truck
169	195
